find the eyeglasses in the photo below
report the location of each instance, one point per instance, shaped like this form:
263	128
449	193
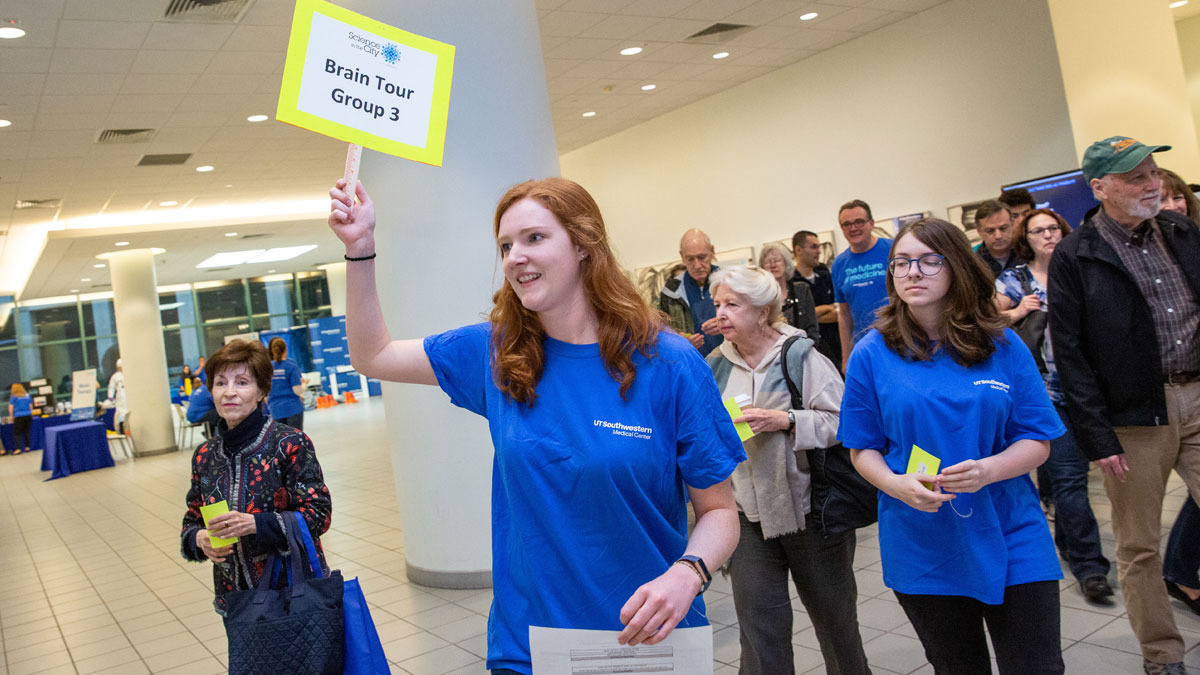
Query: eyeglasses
929	265
854	223
1039	231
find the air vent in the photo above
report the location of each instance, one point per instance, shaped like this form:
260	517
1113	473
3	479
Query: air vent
719	32
164	160
253	236
119	136
206	11
218	269
98	286
38	204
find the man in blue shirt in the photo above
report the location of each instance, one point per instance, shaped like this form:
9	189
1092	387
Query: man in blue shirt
687	300
859	274
201	407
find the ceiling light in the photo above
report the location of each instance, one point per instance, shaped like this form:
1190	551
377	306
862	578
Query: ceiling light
42	302
9	30
270	271
108	254
5	123
121	243
204	169
99	266
590	113
649	87
630	51
282	253
720	55
168	203
257	118
85	279
231	234
74	290
229	258
808	17
1180	3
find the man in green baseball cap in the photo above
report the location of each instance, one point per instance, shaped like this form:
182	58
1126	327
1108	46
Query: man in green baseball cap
1124	309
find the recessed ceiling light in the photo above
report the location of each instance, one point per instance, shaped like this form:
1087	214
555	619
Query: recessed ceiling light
1180	3
257	118
720	55
121	243
74	290
204	169
590	113
630	51
85	279
168	203
808	17
282	253
99	266
649	87
270	271
5	123
9	31
231	234
229	185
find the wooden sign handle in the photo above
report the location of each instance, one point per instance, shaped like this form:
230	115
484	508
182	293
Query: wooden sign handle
353	157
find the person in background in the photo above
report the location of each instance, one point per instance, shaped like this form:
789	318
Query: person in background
799	310
199	371
116	396
806	250
185	381
993	222
1018	201
20	409
686	299
773	488
1065	473
859	284
260	467
941	377
1177	196
286	386
201	407
603	422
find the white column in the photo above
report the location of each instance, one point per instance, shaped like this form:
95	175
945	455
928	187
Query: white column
335	280
144	356
437	266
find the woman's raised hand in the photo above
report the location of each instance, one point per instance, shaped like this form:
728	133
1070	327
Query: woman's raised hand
353	223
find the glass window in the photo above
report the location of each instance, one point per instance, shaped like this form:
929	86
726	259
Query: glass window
102	355
54	362
8	322
10	372
272	295
99	318
226	301
49	323
214	333
317	313
314	290
177	309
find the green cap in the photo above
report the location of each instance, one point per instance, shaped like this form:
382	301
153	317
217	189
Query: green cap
1116	154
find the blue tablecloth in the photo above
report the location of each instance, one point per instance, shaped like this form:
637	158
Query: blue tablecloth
36	432
75	447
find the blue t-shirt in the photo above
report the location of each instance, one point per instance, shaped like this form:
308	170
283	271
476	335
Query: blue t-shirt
282	401
200	402
860	280
955	413
1009	284
587	488
22	406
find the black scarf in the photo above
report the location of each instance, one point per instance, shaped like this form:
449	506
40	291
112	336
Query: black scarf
233	440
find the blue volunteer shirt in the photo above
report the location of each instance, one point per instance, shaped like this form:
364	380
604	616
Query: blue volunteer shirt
954	413
860	281
587	487
22	406
282	401
199	404
700	302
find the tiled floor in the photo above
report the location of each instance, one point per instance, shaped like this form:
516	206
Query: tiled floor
91	580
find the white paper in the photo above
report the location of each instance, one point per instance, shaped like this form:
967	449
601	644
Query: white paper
561	651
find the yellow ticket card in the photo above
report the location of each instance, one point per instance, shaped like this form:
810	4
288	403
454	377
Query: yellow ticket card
210	511
923	463
735	411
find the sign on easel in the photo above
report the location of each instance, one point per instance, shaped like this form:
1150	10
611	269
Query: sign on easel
364	82
83	394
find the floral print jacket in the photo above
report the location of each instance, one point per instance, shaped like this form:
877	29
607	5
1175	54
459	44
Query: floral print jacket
275	472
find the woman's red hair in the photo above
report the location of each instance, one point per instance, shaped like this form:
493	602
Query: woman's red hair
627	323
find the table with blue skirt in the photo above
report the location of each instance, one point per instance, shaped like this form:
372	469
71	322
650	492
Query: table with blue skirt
37	430
75	447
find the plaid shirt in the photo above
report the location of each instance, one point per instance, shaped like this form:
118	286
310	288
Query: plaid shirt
1158	276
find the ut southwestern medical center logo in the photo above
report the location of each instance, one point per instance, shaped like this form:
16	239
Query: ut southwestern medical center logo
618	429
388	51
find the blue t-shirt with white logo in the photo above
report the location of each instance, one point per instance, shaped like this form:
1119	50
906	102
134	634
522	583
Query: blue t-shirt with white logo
860	280
977	544
587	488
22	406
282	401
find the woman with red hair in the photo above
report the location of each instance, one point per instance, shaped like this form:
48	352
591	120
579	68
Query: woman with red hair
600	420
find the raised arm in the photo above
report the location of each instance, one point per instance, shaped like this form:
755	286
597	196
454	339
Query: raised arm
372	351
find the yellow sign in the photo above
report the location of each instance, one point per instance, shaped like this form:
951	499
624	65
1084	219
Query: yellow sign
923	463
735	411
365	82
210	511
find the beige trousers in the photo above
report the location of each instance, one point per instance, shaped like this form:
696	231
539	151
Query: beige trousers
1152	452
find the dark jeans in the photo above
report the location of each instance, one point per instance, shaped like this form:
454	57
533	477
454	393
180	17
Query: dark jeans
1075	530
294	421
1182	558
823	570
21	432
1024	631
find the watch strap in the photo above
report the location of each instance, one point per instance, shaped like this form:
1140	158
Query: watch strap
697	564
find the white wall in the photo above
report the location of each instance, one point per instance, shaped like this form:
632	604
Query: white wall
939	109
1189	50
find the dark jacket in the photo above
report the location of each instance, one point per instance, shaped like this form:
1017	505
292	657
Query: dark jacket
800	311
1105	345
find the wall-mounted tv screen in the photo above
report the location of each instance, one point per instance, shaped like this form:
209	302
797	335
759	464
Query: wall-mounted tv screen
1067	193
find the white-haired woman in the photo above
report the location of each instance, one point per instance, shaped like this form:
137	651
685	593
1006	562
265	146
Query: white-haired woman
799	308
772	487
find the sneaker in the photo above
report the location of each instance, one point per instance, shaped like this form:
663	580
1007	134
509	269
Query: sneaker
1153	668
1096	589
1176	592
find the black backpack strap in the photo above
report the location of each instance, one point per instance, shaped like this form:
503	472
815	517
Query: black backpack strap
792	385
1025	276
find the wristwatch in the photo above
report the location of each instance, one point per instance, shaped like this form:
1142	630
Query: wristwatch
791	421
697	564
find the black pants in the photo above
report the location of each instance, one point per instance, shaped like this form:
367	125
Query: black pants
294	421
822	567
21	435
1024	631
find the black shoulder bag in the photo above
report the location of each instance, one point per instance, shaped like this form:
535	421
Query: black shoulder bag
1031	328
841	498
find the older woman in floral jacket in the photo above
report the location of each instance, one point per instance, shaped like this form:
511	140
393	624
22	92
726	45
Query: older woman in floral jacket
260	467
